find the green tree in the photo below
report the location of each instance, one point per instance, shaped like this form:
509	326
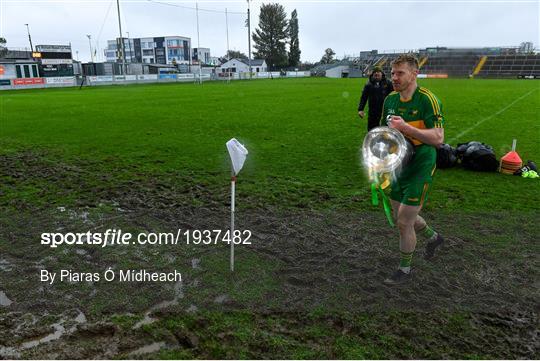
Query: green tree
294	44
306	65
328	56
235	54
271	37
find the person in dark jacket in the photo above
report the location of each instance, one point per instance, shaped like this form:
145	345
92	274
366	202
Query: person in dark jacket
375	90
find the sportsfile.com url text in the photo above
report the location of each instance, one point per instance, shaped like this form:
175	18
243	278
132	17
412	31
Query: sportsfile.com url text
113	237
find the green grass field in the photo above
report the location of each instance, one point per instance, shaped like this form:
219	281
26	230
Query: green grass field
303	135
153	158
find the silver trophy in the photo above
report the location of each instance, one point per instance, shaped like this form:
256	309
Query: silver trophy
386	150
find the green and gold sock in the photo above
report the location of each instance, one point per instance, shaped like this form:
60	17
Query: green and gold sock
405	261
428	232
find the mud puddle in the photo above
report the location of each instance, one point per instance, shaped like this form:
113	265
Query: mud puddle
153	347
147	319
59	331
4	300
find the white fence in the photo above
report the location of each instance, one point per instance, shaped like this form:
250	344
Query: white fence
61	81
136	79
145	78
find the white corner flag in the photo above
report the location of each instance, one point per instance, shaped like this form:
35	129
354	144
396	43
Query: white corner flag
238	154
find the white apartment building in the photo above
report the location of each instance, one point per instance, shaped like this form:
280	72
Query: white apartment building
151	50
201	56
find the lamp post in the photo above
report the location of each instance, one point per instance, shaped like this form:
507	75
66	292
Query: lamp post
29	38
90	44
249	39
228	53
122	45
198	44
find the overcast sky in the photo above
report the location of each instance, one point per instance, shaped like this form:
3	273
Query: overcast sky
347	27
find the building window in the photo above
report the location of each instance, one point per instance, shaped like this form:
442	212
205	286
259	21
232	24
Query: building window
35	73
26	71
19	73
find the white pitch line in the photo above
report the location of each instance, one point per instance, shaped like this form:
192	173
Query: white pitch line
489	117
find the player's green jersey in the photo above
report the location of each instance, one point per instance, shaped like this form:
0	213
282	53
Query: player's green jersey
423	111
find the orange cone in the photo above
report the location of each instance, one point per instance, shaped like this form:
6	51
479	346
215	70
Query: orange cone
511	161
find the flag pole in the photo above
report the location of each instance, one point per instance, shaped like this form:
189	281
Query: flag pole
238	153
233	186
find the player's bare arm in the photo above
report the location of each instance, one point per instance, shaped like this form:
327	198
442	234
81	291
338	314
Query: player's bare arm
433	136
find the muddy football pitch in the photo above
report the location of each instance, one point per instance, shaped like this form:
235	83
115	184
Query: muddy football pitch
151	159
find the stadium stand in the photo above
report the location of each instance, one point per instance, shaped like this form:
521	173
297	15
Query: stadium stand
457	62
454	66
385	62
511	66
320	70
361	65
